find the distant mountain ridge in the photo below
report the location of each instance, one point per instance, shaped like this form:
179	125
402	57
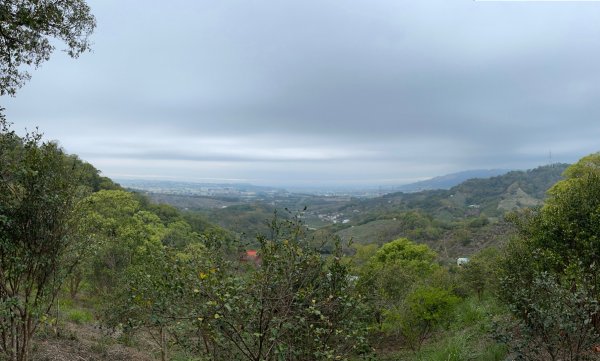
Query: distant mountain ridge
487	193
454	222
450	180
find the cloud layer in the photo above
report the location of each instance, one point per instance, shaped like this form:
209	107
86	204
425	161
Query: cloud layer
353	92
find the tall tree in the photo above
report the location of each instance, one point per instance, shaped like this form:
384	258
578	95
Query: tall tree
27	28
295	306
39	243
406	289
551	276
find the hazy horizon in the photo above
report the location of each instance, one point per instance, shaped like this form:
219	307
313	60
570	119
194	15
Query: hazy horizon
316	186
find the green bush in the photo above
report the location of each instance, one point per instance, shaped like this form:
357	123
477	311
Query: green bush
479	222
469	335
550	277
427	308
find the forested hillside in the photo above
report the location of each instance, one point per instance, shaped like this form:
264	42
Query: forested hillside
488	196
455	222
78	252
496	269
449	180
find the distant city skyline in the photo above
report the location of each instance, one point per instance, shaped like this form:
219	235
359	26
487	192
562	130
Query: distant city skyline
322	93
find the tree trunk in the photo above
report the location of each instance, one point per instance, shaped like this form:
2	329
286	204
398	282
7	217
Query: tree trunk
163	345
15	345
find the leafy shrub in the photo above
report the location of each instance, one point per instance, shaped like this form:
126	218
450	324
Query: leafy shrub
479	222
556	322
550	275
426	309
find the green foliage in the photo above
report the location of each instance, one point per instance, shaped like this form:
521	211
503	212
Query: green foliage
295	305
248	220
408	293
177	276
40	233
152	292
179	234
118	224
362	254
430	304
27	32
469	336
426	215
463	235
200	224
417	257
556	322
479	222
550	276
426	308
80	316
125	232
391	272
481	272
534	182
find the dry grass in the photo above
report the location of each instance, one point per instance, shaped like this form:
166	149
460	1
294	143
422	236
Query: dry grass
74	342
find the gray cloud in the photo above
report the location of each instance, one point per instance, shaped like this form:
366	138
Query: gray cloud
367	92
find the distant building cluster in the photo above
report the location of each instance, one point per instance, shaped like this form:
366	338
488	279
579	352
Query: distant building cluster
205	190
333	218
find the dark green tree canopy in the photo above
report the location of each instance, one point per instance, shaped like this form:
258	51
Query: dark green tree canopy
40	240
26	30
550	277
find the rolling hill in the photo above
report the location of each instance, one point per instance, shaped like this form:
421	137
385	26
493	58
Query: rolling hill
449	180
454	222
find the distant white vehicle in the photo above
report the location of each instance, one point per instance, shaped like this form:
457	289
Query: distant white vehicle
462	261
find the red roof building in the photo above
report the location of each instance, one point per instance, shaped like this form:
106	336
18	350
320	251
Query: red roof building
251	256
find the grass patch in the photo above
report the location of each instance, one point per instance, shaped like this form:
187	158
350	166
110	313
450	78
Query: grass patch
467	338
80	316
464	346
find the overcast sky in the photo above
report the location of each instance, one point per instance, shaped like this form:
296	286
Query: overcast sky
323	92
